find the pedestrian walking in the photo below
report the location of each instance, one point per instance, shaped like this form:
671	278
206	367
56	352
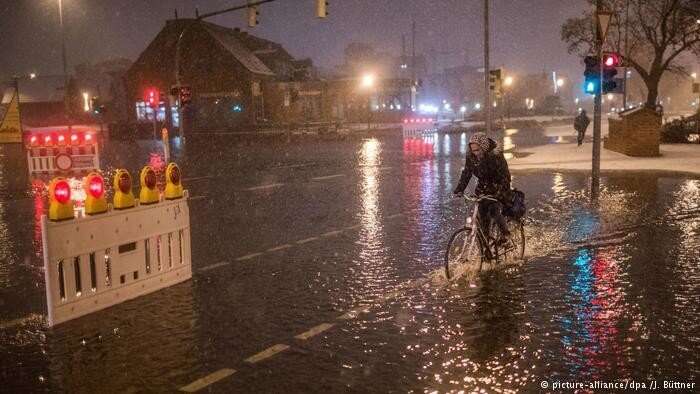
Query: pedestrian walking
580	125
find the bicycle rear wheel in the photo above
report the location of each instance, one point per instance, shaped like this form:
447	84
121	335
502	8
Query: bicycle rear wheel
463	248
514	249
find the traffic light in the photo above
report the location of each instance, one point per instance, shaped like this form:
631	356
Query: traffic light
152	98
610	63
591	75
252	16
495	80
97	108
321	8
185	95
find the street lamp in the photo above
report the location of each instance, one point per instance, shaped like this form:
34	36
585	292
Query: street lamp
368	83
65	64
560	82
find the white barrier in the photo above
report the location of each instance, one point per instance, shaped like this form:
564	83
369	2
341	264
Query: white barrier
64	153
417	130
98	261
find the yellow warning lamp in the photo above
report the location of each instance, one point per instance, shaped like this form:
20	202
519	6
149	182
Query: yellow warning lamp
173	182
95	201
60	206
123	197
149	193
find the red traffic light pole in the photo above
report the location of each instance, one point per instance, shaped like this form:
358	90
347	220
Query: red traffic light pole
601	29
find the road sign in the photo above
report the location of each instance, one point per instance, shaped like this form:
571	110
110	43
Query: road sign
603	23
10	127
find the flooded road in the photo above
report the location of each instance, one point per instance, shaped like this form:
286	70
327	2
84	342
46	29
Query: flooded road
317	267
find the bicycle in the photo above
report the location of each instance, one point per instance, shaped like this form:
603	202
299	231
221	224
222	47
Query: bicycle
471	244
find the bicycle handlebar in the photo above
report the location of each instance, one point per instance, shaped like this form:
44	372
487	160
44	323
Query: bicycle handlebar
475	198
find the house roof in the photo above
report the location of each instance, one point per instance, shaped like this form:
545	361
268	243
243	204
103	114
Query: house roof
46	89
231	41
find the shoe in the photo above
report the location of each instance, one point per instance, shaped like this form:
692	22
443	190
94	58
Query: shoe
504	239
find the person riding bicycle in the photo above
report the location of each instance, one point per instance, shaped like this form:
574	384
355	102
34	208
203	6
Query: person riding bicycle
490	167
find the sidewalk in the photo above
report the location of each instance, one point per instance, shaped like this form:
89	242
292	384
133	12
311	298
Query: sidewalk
681	158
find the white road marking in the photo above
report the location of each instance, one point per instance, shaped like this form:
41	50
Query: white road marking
314	331
197	198
292	166
248	256
207	380
395	216
270	186
332	233
353	227
269	352
213	266
196	178
303	241
353	313
320	178
285	246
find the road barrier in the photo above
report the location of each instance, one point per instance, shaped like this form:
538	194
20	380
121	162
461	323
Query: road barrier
417	127
64	153
96	261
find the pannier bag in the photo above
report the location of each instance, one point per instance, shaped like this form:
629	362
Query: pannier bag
518	206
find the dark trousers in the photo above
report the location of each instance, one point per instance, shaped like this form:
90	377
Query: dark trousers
492	210
581	134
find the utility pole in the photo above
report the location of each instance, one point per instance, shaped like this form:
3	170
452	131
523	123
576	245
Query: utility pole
595	171
413	64
487	95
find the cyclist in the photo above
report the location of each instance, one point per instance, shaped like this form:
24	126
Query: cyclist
491	169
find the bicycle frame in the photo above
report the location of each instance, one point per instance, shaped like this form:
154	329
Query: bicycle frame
474	222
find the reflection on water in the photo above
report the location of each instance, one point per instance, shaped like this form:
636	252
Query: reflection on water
609	291
373	270
590	332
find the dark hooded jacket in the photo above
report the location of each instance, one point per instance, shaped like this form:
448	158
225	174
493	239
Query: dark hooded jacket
492	172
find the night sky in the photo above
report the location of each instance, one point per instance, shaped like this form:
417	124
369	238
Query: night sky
525	34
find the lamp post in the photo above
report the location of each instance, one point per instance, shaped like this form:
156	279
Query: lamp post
367	83
65	66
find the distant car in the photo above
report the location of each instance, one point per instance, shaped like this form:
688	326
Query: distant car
684	130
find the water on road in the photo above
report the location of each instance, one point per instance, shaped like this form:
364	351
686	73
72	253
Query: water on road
316	268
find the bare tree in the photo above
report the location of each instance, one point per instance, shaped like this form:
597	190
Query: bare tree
656	32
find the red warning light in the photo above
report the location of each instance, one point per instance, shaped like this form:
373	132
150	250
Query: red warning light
124	183
150	179
73	138
88	137
61	191
96	186
47	140
175	175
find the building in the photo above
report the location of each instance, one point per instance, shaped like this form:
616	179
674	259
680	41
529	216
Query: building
236	80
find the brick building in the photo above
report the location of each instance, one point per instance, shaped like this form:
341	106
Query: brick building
236	79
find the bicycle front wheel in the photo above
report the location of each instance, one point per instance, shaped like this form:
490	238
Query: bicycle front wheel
463	249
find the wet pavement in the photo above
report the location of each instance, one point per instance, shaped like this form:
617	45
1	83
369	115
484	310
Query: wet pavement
317	267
